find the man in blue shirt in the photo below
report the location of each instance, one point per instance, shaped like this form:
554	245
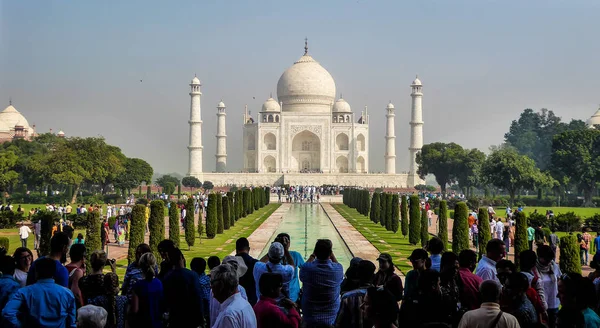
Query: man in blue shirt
59	247
183	294
274	265
597	242
285	240
242	248
8	284
321	277
47	304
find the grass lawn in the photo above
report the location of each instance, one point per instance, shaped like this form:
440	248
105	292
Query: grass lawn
584	212
393	243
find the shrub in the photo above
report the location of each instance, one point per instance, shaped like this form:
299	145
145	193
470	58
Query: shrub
92	235
156	225
537	219
211	216
366	202
174	223
231	209
4	245
240	205
190	232
443	223
460	229
547	233
414	233
384	209
220	224
376	207
395	213
226	218
424	228
521	236
47	221
9	219
485	233
568	222
404	215
390	205
256	196
570	261
137	229
267	195
593	222
142	201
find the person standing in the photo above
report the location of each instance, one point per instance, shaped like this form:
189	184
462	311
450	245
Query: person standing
491	212
285	240
489	314
495	251
386	277
182	294
147	299
517	302
268	313
76	271
549	274
234	311
242	248
23	258
24	232
59	246
587	239
8	284
37	231
350	314
275	258
198	265
499	230
469	282
553	241
530	236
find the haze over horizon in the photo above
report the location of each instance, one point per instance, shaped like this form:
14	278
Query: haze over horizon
121	70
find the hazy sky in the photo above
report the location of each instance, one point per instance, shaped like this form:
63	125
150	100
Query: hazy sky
77	66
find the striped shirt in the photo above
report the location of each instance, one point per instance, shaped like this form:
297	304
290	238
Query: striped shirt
321	281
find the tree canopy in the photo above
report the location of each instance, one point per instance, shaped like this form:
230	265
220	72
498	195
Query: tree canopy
167	182
191	182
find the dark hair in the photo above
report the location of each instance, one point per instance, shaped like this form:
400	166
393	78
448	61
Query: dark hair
59	241
80	236
198	265
268	282
18	251
165	246
45	268
466	258
448	260
570	317
242	244
383	305
427	280
527	260
284	234
175	255
585	298
435	245
77	252
490	291
518	281
7	265
213	262
495	246
365	271
323	249
506	264
545	252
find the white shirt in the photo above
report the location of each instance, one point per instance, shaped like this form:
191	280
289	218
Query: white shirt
487	313
551	288
491	210
486	269
24	232
21	277
214	304
235	312
499	229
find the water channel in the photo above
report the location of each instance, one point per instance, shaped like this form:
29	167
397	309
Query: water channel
305	223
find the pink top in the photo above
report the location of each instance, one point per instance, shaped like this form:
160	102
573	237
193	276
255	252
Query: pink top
471	282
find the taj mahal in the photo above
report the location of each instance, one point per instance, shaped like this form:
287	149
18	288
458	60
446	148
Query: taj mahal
306	136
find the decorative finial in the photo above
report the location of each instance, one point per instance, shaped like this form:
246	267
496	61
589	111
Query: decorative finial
341	97
10	101
306	46
417	76
271	94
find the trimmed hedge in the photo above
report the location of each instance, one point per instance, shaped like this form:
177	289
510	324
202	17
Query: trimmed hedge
226	214
443	223
231	209
220	226
460	229
570	260
47	221
211	216
92	236
395	213
384	210
190	231
174	223
404	215
414	233
424	228
267	195
366	201
521	236
148	192
5	244
137	230
483	226
375	207
156	225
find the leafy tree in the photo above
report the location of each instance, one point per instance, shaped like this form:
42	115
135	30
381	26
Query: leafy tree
211	216
136	230
169	188
208	185
47	219
240	205
191	182
570	260
404	215
156	225
483	227
443	160
424	228
366	202
167	182
8	175
443	223
231	208
460	229
576	159
220	224
174	223
376	207
92	235
469	172
521	235
178	191
226	218
414	233
384	209
395	213
136	171
190	232
148	192
390	206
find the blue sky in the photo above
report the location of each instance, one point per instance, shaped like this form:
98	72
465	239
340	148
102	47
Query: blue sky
77	66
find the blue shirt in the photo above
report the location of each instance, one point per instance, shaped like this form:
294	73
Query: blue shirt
436	259
182	297
47	304
321	281
295	283
150	308
204	286
133	274
8	285
286	272
61	277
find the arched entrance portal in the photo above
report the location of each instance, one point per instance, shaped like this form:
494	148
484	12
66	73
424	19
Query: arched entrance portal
306	152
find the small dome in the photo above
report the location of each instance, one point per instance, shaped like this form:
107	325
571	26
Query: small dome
416	81
10	117
221	104
60	133
390	106
594	120
342	105
271	105
195	80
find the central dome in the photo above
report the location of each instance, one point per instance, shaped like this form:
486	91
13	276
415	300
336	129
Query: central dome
306	87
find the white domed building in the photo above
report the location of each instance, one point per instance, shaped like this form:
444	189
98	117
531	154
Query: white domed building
594	120
13	125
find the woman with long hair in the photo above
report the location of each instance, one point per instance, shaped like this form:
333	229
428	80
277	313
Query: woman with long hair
115	305
147	298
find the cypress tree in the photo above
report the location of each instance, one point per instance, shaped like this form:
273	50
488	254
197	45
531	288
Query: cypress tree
425	228
220	225
211	216
256	199
47	221
390	207
384	209
404	215
250	203
521	236
92	235
231	209
375	208
190	229
485	234
395	213
174	223
570	260
367	202
239	202
226	218
156	225
267	195
414	233
460	229
137	229
443	223
179	191
148	192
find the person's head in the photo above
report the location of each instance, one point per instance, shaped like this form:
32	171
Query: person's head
504	268
77	252
141	250
79	236
213	262
323	249
45	268
59	244
223	281
242	245
198	265
527	260
516	285
176	258
467	259
111	283
23	258
276	252
495	250
284	239
385	262
490	291
380	306
449	264
98	260
435	246
429	282
91	316
418	257
270	284
7	265
147	263
567	289
164	247
365	272
545	254
238	264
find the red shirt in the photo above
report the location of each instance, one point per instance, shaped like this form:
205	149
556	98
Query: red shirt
470	293
268	314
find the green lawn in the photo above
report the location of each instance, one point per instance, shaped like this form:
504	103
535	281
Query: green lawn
584	212
394	244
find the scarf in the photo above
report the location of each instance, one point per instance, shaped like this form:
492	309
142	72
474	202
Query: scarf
547	269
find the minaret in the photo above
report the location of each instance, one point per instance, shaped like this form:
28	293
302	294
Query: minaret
416	127
221	138
195	144
390	141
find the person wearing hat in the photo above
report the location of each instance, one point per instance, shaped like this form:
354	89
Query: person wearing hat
351	280
417	259
275	256
240	268
387	278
